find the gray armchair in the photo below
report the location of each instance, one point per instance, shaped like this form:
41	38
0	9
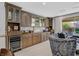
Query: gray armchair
63	47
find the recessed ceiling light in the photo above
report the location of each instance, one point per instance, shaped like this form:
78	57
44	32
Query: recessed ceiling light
44	3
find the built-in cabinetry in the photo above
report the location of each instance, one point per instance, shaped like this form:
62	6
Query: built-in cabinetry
13	17
13	13
26	19
48	22
44	36
37	21
47	35
41	21
36	38
30	39
17	18
26	40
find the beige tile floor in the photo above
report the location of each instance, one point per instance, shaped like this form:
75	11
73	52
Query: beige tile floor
41	49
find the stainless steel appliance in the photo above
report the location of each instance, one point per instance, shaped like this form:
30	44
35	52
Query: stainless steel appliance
15	43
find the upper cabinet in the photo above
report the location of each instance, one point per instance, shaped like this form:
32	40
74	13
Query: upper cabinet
25	19
40	21
13	13
37	21
48	22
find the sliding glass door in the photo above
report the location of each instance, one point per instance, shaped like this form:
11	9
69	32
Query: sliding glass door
71	25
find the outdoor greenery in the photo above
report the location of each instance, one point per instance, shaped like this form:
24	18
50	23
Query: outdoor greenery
66	26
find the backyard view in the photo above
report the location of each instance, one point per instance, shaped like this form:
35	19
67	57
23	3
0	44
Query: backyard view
71	26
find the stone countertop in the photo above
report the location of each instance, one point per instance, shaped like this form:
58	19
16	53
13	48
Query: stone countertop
32	32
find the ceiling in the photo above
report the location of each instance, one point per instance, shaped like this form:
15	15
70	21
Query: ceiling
49	9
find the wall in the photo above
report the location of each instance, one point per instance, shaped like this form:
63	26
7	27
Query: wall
57	24
2	25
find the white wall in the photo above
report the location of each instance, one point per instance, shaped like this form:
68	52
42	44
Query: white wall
57	24
2	25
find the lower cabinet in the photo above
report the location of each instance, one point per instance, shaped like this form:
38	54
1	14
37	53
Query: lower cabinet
36	38
45	36
26	40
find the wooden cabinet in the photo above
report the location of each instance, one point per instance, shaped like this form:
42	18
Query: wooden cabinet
12	27
13	13
30	39
45	36
26	40
50	21
36	38
26	19
46	22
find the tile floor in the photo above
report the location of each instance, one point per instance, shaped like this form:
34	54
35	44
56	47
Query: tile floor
41	49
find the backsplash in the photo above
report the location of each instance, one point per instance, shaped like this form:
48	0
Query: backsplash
39	29
26	29
34	29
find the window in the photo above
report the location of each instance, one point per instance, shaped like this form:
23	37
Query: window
71	25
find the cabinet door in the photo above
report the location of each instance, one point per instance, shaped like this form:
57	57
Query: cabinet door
26	40
36	38
47	35
26	19
10	13
46	23
17	15
43	36
13	13
29	40
23	21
